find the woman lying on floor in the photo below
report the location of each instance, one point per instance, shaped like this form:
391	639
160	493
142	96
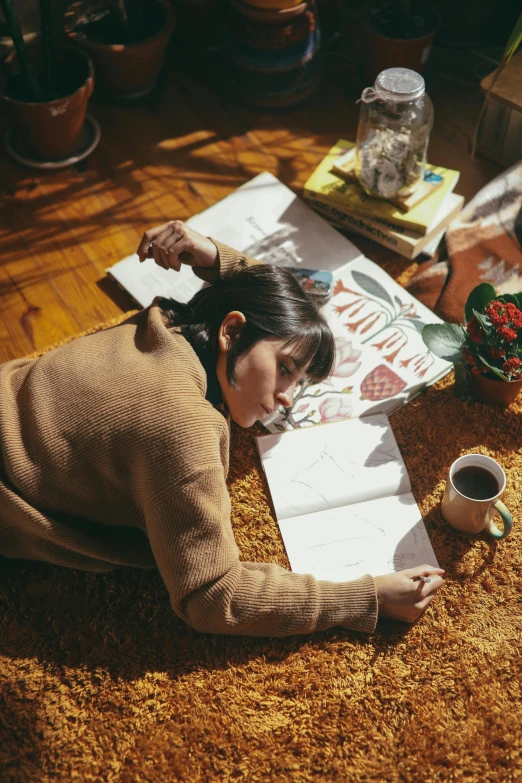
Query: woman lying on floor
114	448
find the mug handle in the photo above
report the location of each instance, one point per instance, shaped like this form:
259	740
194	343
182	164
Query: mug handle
507	519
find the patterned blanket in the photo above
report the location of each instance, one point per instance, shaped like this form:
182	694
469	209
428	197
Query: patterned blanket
484	244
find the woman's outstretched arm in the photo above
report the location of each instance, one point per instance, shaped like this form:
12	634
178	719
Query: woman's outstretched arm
193	544
191	536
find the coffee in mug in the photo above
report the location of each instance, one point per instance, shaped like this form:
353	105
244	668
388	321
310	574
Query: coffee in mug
472	495
475	482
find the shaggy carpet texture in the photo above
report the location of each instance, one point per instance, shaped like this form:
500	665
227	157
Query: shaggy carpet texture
101	682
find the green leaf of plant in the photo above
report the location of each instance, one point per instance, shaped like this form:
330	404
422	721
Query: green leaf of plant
479	298
371	286
418	325
483	321
514	39
445	341
509	298
5	32
493	369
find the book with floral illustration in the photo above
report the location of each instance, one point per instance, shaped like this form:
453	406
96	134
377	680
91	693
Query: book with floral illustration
381	360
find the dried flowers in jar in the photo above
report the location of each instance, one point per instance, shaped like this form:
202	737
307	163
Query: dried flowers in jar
395	121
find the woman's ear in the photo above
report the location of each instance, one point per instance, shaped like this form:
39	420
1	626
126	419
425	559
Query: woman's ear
230	329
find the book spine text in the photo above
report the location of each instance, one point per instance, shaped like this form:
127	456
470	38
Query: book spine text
374	230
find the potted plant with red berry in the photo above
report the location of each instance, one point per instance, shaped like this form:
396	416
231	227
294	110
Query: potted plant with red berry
487	349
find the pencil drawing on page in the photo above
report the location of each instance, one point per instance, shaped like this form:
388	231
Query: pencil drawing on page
347	548
343	500
328	466
331	465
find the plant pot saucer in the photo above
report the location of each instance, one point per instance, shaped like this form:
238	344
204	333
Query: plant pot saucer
88	141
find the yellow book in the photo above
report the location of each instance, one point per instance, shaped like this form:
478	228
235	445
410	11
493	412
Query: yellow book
327	185
344	167
400	239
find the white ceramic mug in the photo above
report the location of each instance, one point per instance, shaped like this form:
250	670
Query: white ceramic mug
468	514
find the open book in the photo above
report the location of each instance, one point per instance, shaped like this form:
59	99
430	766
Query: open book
382	361
343	500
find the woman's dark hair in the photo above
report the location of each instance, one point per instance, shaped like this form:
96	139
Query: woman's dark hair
274	306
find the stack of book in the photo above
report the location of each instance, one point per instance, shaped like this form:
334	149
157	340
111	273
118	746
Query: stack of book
408	226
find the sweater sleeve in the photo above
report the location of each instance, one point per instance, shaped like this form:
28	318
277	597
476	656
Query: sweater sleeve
193	544
230	261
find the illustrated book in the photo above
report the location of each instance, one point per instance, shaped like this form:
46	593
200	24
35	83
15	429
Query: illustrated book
381	360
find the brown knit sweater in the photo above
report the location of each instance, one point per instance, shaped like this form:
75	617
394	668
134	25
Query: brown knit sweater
110	455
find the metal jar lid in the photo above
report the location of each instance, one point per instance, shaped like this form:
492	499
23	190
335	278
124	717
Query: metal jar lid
400	84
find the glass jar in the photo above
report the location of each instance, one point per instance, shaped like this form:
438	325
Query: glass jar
395	121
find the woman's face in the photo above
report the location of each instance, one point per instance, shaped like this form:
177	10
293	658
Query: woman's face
266	375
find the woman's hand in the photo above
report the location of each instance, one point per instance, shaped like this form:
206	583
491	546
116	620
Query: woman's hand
174	243
404	595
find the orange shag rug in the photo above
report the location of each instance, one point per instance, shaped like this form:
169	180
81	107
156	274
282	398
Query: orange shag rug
99	681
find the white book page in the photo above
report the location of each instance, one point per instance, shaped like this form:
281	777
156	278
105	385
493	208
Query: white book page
263	219
147	280
320	468
375	537
266	220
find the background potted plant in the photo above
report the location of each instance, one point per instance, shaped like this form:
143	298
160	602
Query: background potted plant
487	349
46	88
397	33
126	39
514	41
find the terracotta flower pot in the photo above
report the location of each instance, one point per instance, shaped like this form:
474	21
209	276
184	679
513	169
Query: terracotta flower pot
123	70
380	52
493	392
51	130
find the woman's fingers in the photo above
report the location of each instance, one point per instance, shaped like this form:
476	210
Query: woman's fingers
422	605
404	595
148	237
181	245
425	589
167	245
157	256
426	579
174	243
426	571
162	244
168	250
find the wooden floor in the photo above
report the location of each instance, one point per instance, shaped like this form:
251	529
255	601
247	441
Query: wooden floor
169	159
